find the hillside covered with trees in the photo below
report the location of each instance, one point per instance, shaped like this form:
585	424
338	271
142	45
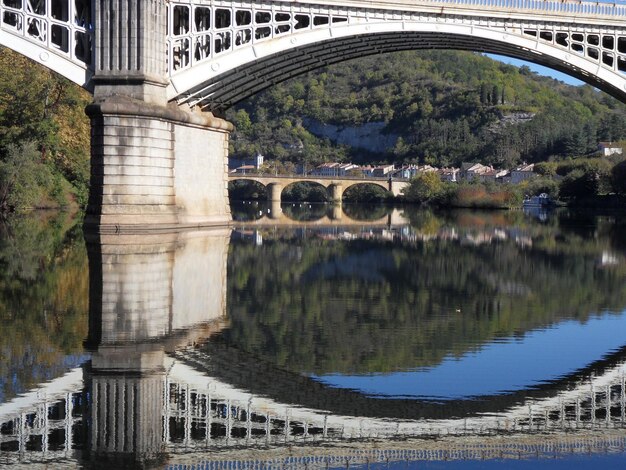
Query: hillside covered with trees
437	107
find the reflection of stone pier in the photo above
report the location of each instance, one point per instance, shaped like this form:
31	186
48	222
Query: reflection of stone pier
336	212
149	287
275	211
148	295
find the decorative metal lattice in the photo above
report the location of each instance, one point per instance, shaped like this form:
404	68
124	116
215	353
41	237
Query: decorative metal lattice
605	47
198	32
63	26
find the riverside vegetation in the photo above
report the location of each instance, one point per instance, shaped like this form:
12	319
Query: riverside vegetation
440	108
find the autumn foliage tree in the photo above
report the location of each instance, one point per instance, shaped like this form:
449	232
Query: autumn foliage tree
42	112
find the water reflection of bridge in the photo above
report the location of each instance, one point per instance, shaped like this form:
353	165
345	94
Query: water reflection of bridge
154	388
275	216
182	409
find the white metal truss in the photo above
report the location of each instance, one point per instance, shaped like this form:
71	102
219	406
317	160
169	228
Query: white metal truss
209	43
56	33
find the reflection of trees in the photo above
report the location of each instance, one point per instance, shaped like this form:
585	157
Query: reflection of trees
364	306
303	212
248	210
365	211
43	299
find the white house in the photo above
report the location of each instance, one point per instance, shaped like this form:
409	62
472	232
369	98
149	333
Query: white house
382	170
609	148
411	171
334	169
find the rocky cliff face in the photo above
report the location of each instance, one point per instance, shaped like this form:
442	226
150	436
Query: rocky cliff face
369	136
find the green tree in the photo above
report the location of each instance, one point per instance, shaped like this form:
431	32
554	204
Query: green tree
424	188
618	178
580	184
24	179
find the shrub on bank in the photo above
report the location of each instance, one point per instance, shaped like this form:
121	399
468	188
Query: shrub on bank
481	196
429	189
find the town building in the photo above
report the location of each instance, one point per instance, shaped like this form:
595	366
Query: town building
245	169
471	171
411	171
523	172
609	148
450	175
334	169
236	163
382	170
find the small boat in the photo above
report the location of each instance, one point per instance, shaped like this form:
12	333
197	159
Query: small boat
542	200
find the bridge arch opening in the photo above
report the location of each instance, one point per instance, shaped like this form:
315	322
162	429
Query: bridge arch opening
366	192
305	191
246	190
219	91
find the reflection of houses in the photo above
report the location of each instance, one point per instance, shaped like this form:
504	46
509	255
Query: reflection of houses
608	259
523	172
609	148
245	165
254	235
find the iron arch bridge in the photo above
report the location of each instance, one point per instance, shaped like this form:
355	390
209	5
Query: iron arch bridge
221	52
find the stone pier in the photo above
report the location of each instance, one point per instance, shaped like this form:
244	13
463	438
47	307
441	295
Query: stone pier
154	165
336	193
274	192
336	212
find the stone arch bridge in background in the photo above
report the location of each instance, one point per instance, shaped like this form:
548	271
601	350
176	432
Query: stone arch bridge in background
158	69
336	186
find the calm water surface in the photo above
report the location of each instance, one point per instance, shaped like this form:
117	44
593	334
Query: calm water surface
317	336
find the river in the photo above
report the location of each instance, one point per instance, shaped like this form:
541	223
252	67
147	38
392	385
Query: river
317	336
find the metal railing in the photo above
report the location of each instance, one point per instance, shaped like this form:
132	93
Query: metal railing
550	7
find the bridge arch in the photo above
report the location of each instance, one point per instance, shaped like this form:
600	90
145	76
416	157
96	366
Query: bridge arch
218	82
356	184
321	188
244	188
